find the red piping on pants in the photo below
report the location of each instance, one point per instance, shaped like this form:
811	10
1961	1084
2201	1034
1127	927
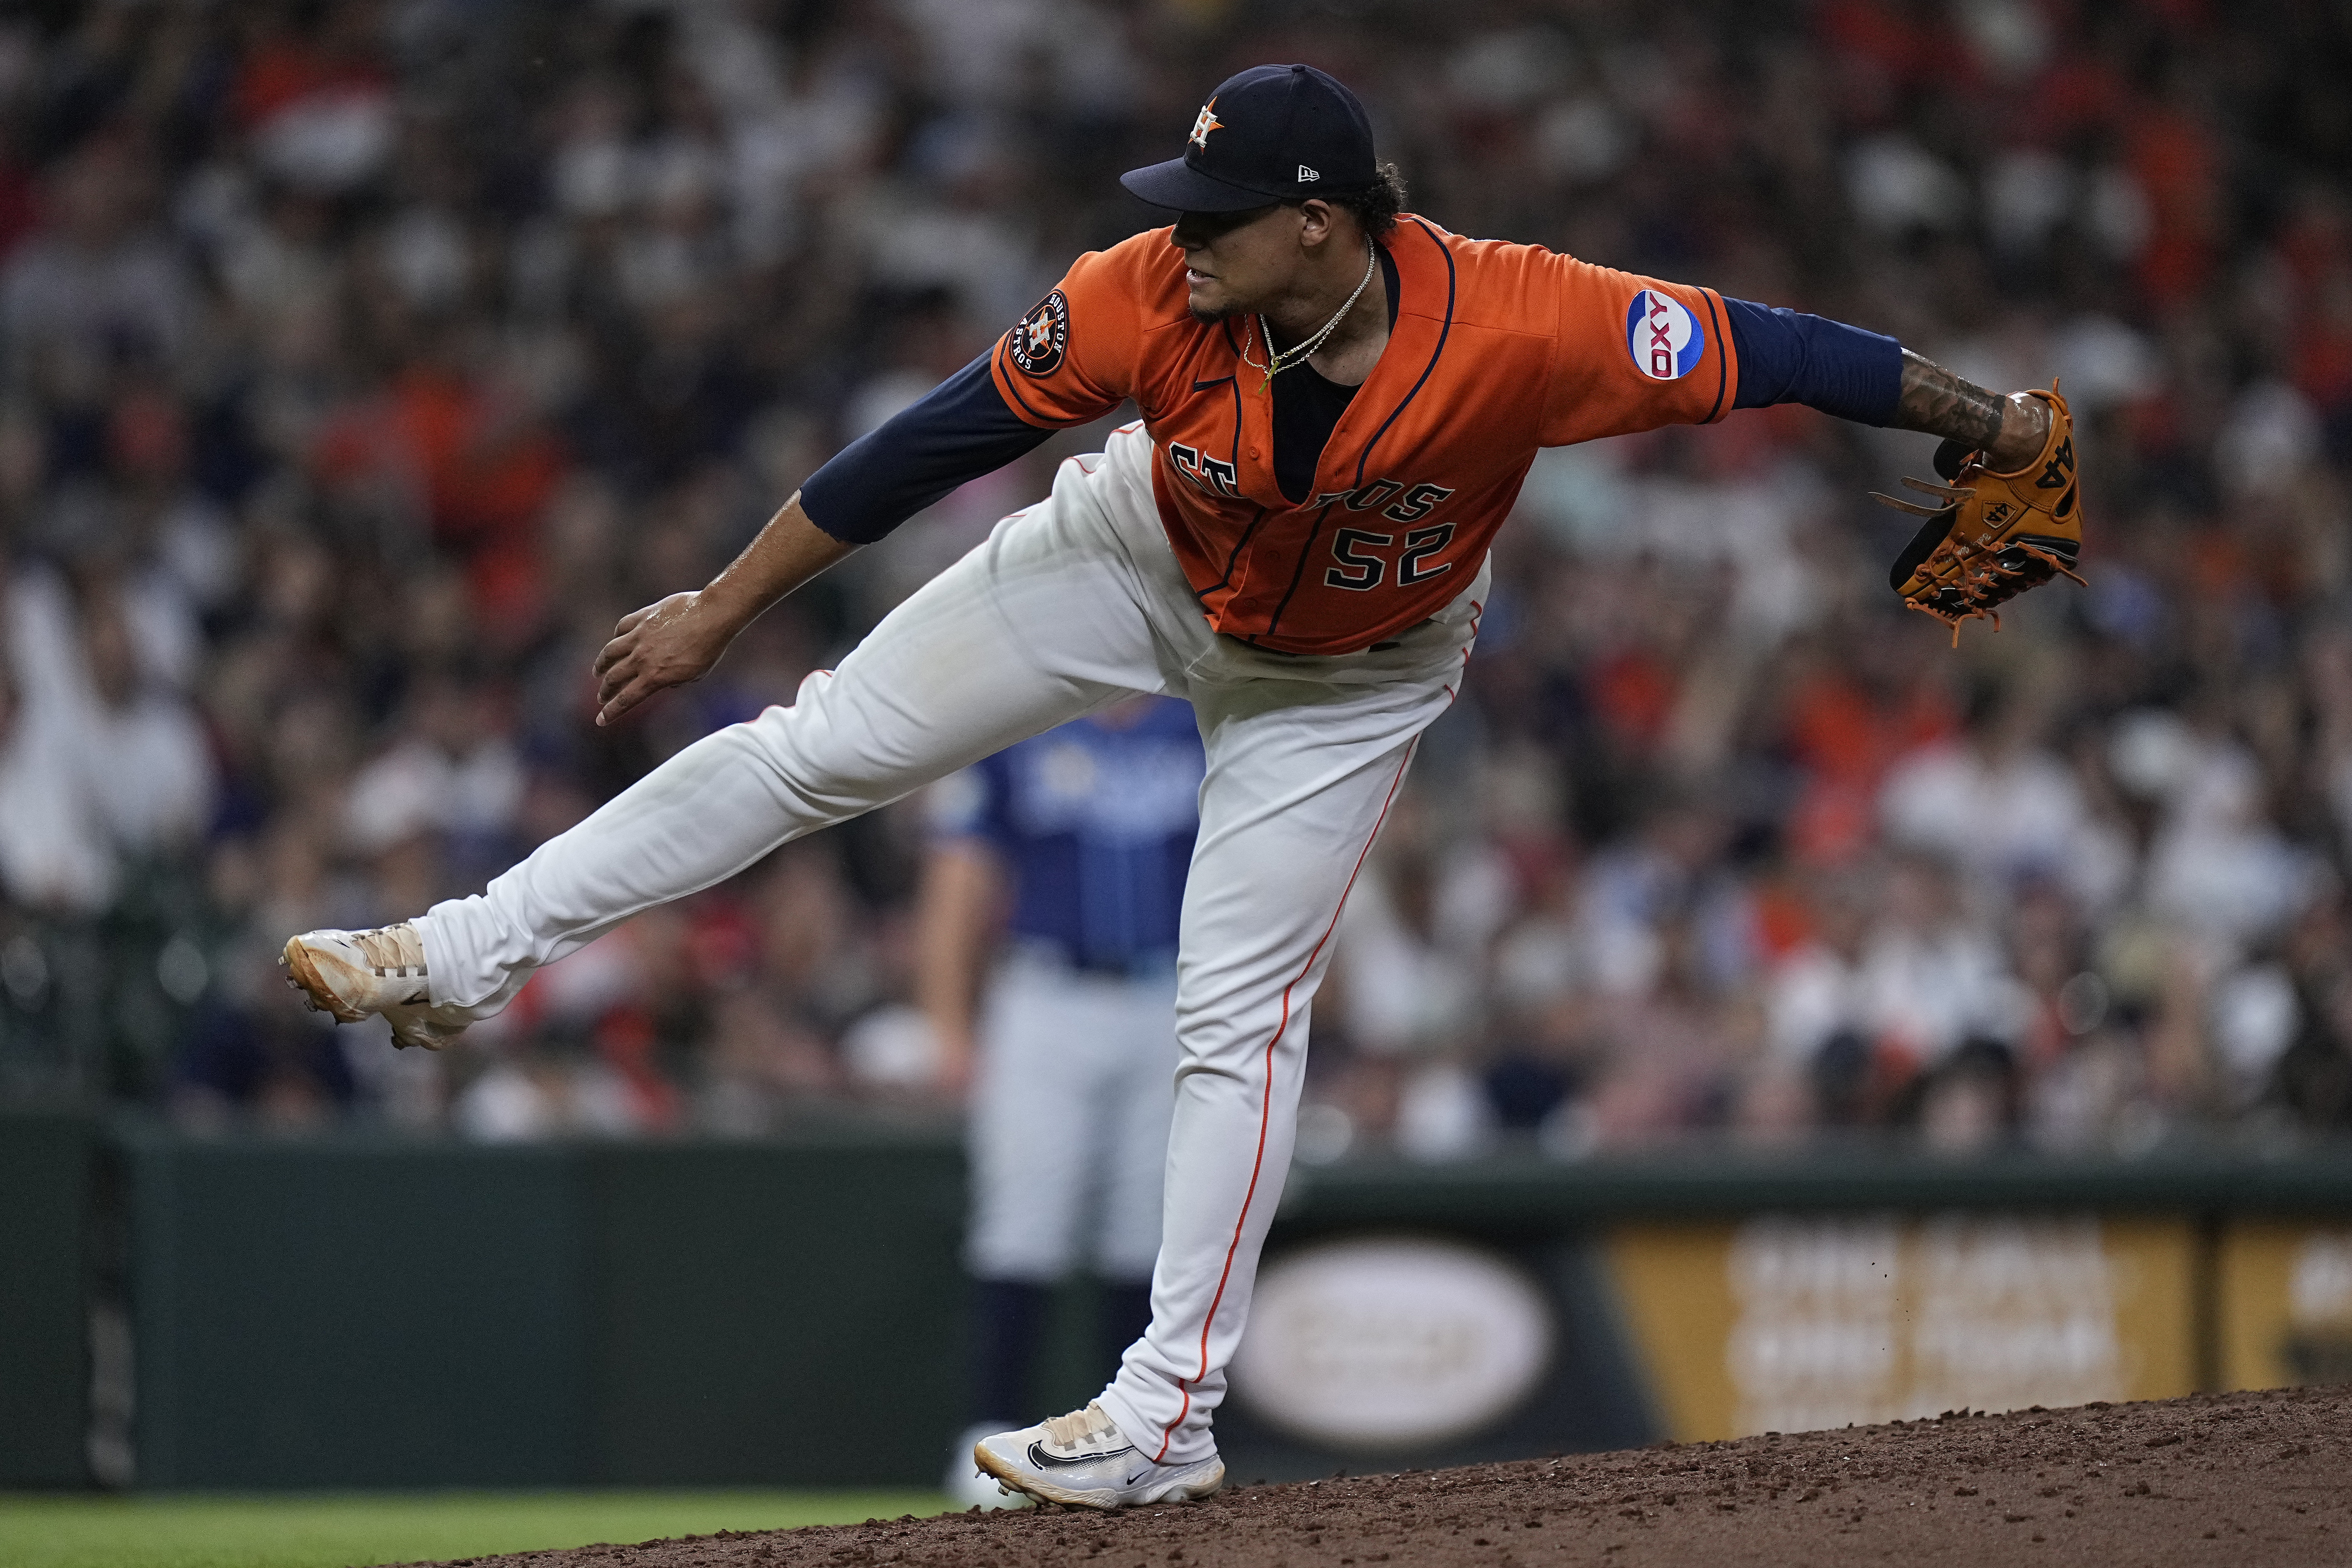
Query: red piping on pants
1265	1106
1476	609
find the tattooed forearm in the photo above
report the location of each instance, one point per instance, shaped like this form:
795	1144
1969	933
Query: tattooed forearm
2007	430
1942	404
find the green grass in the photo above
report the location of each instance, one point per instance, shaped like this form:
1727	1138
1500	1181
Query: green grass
314	1530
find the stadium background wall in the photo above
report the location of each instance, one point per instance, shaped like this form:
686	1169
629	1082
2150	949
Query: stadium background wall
46	1203
380	1311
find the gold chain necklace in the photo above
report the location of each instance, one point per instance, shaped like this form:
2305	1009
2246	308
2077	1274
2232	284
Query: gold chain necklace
1300	354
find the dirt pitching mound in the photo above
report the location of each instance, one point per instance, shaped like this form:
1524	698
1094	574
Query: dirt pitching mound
2247	1479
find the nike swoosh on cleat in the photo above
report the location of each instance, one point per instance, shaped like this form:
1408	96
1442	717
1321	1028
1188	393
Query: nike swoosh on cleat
1046	1461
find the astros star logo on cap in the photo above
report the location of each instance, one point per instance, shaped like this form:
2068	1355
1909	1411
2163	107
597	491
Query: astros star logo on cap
1271	133
1206	123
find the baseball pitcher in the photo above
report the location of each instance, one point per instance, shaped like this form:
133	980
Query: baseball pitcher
1338	402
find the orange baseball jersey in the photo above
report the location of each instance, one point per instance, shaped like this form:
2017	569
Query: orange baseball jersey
1496	350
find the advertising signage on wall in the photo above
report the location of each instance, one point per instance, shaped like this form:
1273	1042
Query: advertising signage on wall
2285	1299
1788	1324
1392	1341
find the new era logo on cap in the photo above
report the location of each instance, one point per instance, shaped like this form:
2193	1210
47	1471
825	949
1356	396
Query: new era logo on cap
1280	134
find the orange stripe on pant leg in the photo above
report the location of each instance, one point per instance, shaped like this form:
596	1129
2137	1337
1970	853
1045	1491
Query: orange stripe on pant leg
1265	1106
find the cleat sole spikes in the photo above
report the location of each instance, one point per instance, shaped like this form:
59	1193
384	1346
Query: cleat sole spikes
303	975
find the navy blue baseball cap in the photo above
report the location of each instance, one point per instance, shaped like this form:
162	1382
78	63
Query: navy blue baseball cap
1274	133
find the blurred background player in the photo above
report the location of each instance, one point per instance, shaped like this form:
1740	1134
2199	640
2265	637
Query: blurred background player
1071	847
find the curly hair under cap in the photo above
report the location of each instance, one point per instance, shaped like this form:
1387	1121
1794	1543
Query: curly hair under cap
1377	208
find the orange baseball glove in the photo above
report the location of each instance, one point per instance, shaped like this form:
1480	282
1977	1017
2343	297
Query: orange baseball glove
1997	534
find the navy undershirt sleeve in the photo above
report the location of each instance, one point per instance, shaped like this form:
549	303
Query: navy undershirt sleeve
1787	357
958	431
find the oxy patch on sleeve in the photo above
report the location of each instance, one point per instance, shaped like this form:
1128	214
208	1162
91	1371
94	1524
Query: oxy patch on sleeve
1664	338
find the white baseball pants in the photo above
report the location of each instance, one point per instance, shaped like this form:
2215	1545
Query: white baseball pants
1069	605
1069	1122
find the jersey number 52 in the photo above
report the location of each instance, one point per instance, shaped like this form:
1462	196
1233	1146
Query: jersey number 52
1364	562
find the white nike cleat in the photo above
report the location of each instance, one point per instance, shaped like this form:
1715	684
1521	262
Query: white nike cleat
1082	1460
970	1486
353	974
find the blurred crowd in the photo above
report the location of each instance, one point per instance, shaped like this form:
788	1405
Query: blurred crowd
362	362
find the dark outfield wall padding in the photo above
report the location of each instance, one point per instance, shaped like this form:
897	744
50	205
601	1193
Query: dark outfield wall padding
357	1312
768	1313
368	1311
45	1196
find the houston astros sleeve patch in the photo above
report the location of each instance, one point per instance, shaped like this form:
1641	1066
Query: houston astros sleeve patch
1042	337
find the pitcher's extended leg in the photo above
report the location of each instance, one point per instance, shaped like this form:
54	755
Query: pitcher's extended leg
1037	625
